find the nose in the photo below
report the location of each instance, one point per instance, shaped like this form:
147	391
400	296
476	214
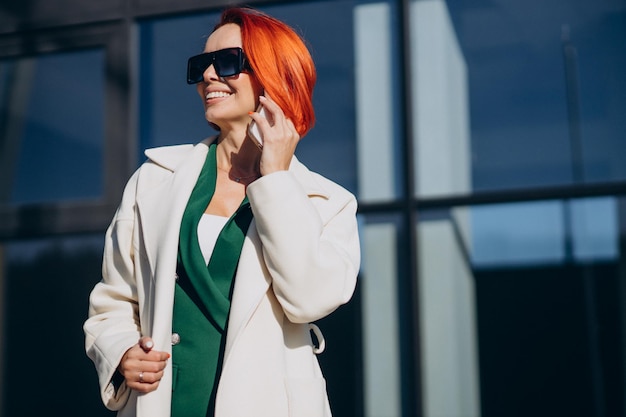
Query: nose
210	74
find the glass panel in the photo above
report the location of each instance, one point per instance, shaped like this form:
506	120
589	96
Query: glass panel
447	299
595	229
518	233
544	232
381	343
51	127
377	96
544	281
46	284
518	94
441	111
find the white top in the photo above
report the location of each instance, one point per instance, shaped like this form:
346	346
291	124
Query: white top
209	228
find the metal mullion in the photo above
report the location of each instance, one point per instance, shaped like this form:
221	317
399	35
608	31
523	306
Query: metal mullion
408	288
120	138
54	219
502	197
524	195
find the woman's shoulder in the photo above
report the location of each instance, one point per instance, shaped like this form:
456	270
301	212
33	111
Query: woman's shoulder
162	162
315	181
172	156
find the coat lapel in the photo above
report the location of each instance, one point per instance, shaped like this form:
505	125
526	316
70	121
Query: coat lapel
253	278
160	210
251	283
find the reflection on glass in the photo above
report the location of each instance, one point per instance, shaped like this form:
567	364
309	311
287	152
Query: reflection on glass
46	287
380	320
518	233
375	101
550	291
447	300
51	124
595	229
441	108
544	232
523	124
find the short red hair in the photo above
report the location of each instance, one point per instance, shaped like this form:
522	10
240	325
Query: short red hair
280	60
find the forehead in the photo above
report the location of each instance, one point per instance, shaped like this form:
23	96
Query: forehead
227	36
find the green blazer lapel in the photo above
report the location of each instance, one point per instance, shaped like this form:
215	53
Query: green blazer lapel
212	284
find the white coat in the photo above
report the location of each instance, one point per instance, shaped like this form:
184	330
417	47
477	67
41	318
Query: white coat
298	263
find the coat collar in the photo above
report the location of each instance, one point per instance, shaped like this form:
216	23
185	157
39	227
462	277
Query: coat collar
162	203
174	158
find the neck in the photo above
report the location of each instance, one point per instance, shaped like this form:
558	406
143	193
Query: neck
239	158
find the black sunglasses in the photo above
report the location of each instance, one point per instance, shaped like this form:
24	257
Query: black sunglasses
227	62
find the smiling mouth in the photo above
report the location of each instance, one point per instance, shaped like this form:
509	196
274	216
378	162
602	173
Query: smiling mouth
216	94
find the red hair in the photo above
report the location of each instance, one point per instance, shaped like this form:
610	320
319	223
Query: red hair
281	62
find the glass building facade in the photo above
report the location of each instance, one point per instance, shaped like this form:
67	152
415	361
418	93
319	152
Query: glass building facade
485	141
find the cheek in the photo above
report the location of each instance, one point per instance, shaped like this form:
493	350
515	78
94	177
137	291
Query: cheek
257	91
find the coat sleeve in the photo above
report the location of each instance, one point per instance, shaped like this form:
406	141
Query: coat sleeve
112	326
310	244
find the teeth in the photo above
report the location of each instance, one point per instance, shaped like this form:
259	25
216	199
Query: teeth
216	94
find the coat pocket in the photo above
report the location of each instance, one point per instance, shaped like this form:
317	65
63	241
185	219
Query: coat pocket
306	397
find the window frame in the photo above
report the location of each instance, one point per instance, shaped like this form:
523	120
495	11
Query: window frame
63	217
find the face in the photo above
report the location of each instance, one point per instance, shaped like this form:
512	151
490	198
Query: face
228	100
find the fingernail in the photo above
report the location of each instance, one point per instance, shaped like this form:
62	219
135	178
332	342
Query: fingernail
250	113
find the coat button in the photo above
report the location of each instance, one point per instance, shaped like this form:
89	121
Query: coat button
175	339
176	277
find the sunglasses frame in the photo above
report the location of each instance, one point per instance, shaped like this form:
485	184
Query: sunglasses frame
195	70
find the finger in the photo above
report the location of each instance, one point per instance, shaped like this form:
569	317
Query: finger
143	387
149	377
265	97
260	120
136	360
130	359
292	129
274	110
144	381
288	131
146	343
151	366
155	356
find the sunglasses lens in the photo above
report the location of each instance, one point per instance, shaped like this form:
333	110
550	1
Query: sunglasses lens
227	62
196	67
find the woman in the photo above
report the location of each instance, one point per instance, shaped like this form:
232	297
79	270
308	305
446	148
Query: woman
222	253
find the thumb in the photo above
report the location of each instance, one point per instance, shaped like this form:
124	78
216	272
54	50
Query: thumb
146	343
